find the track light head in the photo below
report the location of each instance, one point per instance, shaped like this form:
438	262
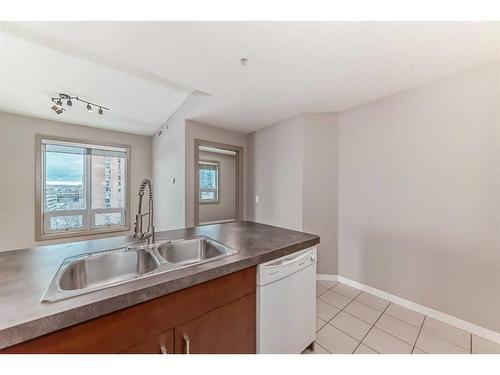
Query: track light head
100	111
69	103
57	109
89	107
59	102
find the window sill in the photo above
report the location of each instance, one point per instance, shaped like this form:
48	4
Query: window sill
83	233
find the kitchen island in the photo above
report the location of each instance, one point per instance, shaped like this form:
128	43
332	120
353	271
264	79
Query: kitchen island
226	285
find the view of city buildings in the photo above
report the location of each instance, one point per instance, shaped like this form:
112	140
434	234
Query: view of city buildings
107	187
107	176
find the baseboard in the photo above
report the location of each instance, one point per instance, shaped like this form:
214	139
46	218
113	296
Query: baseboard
326	277
216	222
438	315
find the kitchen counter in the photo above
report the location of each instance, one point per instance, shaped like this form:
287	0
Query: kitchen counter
26	274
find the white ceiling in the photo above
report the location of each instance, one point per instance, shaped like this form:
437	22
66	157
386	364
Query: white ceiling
31	73
293	67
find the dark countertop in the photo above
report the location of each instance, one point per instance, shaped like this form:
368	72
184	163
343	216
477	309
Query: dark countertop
26	274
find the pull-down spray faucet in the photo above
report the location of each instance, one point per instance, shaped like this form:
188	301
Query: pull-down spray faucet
149	236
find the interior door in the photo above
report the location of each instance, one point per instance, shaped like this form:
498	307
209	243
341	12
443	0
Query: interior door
226	330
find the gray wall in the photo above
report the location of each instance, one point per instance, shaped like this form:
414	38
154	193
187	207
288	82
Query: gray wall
275	174
419	195
320	184
293	170
17	172
173	158
197	130
169	154
226	207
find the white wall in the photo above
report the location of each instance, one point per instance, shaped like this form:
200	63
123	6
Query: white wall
17	173
419	195
225	208
293	170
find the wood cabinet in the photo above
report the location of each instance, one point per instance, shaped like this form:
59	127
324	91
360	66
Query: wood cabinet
218	316
162	343
220	331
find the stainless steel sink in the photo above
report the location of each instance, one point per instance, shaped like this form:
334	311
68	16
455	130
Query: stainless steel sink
88	272
110	268
196	250
94	271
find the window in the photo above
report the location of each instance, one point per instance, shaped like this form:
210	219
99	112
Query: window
209	182
81	188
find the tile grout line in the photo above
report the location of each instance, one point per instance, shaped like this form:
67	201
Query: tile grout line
394	317
329	352
393	335
327	289
445	338
364	337
373	325
340	310
418	335
441	316
371	307
401	320
383	312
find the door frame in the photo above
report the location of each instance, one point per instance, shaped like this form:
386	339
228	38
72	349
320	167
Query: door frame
239	176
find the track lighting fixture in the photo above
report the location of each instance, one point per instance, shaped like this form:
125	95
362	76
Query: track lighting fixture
58	100
57	109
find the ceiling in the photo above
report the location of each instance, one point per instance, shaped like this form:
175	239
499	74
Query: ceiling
145	70
31	73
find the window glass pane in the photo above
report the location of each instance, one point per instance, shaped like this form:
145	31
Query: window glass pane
64	178
74	172
108	181
208	178
208	195
66	222
114	218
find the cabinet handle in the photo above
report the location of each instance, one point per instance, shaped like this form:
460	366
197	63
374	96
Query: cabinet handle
163	349
186	342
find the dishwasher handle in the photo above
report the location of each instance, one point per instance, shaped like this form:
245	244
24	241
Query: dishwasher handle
287	261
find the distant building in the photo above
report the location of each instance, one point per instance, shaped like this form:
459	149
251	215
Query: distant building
108	175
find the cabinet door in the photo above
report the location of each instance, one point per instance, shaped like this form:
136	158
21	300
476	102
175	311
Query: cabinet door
158	344
228	329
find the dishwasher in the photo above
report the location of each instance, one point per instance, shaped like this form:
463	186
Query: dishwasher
286	303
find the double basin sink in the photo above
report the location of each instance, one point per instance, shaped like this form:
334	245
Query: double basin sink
94	271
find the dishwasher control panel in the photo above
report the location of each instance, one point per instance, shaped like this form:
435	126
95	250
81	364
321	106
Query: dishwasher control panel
278	268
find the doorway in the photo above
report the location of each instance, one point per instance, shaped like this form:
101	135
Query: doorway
218	183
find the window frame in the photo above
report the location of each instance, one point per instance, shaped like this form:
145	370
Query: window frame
88	220
216	190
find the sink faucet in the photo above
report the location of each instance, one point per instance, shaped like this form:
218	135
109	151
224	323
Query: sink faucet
149	236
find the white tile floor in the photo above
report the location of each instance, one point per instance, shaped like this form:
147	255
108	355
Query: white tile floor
351	321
